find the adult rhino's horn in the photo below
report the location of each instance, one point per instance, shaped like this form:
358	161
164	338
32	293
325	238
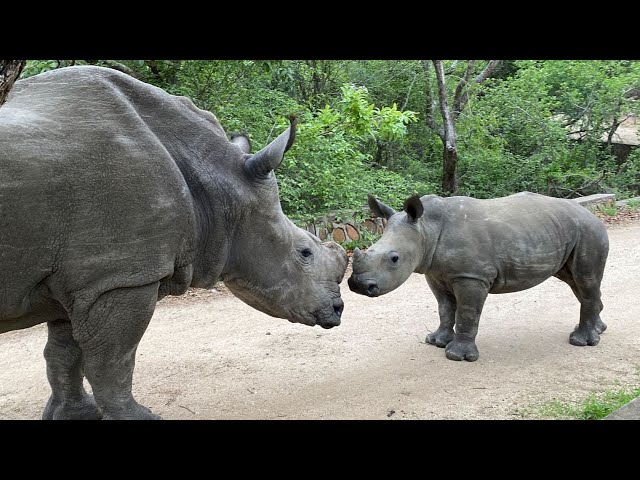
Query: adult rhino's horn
267	159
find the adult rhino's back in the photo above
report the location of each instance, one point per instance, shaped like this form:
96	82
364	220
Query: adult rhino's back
90	194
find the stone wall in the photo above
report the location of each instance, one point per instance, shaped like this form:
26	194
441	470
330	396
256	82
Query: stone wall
343	228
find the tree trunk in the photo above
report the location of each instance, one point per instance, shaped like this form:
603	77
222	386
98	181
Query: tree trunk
9	73
450	155
447	130
449	178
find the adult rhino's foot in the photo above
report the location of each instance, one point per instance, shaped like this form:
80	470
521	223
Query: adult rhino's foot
462	349
133	411
600	326
84	408
585	336
441	337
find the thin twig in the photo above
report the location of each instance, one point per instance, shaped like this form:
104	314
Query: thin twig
187	408
406	100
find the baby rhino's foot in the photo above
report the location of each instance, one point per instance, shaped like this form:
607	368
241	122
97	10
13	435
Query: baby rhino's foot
462	349
440	338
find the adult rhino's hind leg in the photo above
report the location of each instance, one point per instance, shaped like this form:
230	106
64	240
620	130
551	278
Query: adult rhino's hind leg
68	400
108	334
447	312
586	268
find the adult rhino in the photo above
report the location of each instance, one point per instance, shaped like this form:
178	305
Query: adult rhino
468	248
113	194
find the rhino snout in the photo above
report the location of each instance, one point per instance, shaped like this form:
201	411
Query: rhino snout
367	287
333	320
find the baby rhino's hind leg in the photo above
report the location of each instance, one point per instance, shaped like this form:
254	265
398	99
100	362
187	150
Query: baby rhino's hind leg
566	277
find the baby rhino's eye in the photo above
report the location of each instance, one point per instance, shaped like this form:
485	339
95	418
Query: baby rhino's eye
306	252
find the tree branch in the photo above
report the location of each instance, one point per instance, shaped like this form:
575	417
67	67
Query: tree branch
482	76
488	71
615	124
431	102
449	131
406	99
153	66
452	67
9	72
458	96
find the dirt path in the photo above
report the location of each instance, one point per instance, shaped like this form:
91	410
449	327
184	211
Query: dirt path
212	357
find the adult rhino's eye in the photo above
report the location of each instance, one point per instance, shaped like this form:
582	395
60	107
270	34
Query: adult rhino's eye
306	252
394	258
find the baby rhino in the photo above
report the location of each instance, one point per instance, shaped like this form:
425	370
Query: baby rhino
468	248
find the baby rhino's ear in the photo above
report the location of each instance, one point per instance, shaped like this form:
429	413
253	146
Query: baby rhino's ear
379	209
413	207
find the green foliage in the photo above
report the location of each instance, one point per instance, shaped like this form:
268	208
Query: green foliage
392	123
366	239
328	167
357	111
593	407
517	134
633	204
538	125
610	211
34	67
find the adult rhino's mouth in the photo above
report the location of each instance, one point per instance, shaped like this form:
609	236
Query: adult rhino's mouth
330	316
327	316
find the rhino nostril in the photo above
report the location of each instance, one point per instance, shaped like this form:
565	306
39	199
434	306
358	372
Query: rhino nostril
372	288
338	309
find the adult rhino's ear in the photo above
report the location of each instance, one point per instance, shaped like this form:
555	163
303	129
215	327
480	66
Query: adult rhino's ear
267	159
242	141
413	207
378	208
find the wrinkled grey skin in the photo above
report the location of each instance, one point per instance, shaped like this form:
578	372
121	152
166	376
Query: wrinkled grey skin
113	194
468	248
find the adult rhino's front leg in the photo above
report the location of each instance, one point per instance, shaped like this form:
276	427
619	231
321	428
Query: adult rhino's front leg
69	400
108	335
447	312
470	297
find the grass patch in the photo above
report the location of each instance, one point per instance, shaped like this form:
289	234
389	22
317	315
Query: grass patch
594	407
633	204
609	211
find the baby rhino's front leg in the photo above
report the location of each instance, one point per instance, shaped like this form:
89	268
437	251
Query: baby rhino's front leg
470	296
447	311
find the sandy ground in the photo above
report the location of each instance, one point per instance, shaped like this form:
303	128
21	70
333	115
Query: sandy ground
206	355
